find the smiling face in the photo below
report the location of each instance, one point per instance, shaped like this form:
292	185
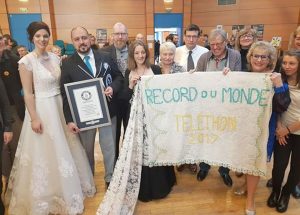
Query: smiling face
246	40
290	66
81	40
218	46
139	55
167	57
41	39
260	60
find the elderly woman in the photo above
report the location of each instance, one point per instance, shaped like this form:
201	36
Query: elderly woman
262	58
167	63
244	40
156	182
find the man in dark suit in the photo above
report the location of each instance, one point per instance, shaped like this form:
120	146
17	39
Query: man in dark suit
87	64
5	129
9	74
119	53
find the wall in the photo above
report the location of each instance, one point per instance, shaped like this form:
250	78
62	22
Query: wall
94	14
279	17
33	6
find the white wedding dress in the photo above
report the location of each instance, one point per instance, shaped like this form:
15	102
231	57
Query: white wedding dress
51	173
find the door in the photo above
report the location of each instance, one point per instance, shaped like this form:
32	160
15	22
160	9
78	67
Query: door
18	24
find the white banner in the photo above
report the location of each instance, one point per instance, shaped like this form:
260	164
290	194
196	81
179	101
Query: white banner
187	118
222	120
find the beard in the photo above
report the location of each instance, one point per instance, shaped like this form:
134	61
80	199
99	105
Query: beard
83	49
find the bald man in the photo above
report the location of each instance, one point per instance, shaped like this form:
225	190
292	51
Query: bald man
74	69
119	53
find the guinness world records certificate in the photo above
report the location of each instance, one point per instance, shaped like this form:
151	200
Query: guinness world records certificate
88	103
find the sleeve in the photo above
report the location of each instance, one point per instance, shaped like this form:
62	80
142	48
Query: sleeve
238	62
125	93
281	99
26	62
64	80
5	109
200	63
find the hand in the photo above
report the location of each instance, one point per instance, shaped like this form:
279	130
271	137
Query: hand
133	80
64	57
73	128
109	92
36	126
276	79
282	141
7	137
282	131
226	70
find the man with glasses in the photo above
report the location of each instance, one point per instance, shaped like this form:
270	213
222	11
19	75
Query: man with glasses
119	53
217	59
187	56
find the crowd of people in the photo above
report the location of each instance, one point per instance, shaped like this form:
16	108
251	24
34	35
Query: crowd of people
48	162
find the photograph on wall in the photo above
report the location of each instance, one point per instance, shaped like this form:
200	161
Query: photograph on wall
259	31
236	29
101	35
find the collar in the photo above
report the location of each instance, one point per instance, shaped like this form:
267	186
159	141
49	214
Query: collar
187	50
219	59
123	50
91	54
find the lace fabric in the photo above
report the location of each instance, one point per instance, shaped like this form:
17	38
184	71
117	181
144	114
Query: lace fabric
45	178
122	194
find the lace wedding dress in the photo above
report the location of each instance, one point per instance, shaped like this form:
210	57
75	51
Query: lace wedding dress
51	173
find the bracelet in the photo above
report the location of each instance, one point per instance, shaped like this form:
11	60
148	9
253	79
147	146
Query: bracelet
288	129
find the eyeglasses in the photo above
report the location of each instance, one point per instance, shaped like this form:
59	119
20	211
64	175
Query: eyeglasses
217	44
120	34
261	57
194	37
249	36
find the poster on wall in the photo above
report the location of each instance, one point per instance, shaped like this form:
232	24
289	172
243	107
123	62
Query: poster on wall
101	35
259	31
236	29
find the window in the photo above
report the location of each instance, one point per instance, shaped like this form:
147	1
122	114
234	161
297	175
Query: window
226	2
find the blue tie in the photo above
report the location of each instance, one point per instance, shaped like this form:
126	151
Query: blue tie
87	63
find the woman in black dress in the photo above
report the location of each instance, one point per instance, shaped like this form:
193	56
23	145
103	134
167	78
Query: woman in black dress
156	182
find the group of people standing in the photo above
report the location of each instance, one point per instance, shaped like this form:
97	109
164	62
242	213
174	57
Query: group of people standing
53	168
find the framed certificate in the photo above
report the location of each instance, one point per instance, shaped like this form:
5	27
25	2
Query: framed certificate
88	104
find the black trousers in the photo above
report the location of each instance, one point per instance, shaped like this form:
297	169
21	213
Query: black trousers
282	155
1	185
122	117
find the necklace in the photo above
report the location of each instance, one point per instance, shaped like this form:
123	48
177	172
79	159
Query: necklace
141	73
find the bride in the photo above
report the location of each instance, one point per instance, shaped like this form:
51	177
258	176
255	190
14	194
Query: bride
50	174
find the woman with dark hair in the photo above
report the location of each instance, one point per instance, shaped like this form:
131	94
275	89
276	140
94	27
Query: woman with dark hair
45	179
156	182
288	137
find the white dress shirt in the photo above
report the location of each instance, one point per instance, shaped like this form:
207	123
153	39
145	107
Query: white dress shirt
182	53
91	60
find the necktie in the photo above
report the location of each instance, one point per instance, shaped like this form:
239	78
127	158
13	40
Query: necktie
190	62
87	63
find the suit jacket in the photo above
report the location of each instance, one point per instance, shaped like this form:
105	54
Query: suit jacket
74	69
6	119
111	50
10	75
